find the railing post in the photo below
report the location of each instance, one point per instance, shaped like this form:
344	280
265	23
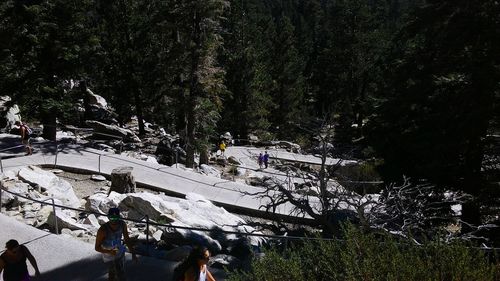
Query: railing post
147	234
121	145
55	215
176	155
57	152
76	136
1	164
100	163
54	210
1	188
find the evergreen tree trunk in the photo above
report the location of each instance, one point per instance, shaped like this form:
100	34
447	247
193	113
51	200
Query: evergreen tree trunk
87	115
193	93
474	150
204	155
471	214
190	130
138	112
49	120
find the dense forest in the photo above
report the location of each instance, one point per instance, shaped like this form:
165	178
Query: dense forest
412	84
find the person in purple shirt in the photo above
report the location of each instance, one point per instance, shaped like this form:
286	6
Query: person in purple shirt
266	159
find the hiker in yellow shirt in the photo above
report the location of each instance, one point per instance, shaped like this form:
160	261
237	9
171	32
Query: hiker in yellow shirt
222	147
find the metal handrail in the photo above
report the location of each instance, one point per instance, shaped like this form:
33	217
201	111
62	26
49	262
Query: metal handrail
55	214
6	149
147	231
34	200
12	147
173	226
280	237
121	149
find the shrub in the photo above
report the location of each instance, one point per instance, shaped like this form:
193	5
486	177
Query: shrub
362	256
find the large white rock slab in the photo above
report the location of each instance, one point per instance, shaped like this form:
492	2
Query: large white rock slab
197	211
97	99
101	203
65	219
12	114
92	221
51	185
9	175
210	171
17	188
146	204
126	134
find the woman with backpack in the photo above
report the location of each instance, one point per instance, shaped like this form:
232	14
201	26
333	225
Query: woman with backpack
25	133
194	267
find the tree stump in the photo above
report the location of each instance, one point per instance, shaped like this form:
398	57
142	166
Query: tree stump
204	157
122	180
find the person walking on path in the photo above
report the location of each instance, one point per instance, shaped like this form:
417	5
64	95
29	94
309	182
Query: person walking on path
194	267
13	262
109	243
25	137
222	147
266	159
260	160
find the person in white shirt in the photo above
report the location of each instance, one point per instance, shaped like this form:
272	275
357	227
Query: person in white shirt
194	268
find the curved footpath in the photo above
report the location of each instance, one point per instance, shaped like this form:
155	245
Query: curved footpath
63	258
233	196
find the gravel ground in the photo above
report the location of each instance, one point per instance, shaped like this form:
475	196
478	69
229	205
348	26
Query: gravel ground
84	186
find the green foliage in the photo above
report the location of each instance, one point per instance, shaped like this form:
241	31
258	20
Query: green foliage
439	101
233	170
275	268
287	78
247	57
369	256
43	45
426	82
366	171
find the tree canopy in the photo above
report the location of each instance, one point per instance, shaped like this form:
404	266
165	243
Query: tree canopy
413	83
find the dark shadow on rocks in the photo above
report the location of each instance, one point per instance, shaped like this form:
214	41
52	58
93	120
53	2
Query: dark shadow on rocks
7	142
95	269
83	270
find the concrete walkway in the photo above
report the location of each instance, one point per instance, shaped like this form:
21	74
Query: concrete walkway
283	155
234	196
61	257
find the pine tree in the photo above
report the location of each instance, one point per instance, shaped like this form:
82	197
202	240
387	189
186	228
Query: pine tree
441	98
45	45
198	33
288	81
247	108
350	38
124	27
